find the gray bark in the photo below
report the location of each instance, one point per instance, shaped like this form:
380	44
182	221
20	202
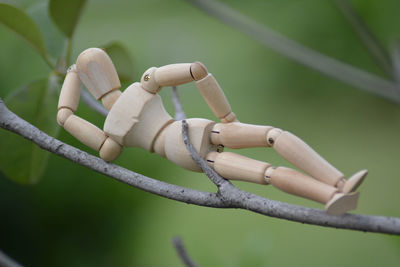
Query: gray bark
227	196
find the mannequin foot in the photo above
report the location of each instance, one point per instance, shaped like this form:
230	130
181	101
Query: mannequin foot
351	185
341	203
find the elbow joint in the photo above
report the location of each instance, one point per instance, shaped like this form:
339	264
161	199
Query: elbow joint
198	71
63	114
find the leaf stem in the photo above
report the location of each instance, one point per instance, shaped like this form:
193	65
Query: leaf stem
47	59
366	36
69	51
301	54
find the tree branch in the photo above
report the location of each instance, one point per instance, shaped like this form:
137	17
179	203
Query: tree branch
11	122
367	37
92	103
225	198
214	177
6	261
179	112
395	53
182	253
301	54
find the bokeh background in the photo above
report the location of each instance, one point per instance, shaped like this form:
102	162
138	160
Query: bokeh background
76	217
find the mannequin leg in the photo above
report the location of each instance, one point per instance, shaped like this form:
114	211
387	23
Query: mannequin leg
289	146
236	167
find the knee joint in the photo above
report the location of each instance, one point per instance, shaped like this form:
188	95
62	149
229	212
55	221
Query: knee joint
268	174
272	135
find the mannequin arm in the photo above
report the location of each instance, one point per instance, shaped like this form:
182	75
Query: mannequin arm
84	131
176	74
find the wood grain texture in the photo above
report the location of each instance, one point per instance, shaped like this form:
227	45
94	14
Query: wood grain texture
136	118
84	131
199	134
70	91
110	150
228	196
299	184
97	72
214	96
231	117
173	74
110	98
62	115
297	152
125	112
152	119
198	70
149	82
237	167
239	135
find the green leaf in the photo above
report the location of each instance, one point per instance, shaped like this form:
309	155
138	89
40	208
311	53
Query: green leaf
65	14
21	160
122	61
53	38
18	21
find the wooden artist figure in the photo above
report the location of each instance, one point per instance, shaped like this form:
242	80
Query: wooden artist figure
137	118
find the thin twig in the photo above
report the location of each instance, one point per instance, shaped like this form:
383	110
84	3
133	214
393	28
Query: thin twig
214	177
179	112
182	253
396	62
368	39
92	103
395	53
6	261
87	97
69	51
332	67
232	198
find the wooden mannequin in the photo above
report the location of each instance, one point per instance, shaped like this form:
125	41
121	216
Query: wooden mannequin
137	118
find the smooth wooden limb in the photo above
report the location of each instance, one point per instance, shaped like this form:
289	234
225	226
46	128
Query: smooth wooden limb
149	82
110	150
198	70
91	136
297	152
110	98
85	132
154	78
292	148
299	184
62	115
173	74
69	96
97	72
215	98
237	167
239	135
70	91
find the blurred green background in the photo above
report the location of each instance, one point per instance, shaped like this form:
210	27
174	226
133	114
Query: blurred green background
76	217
